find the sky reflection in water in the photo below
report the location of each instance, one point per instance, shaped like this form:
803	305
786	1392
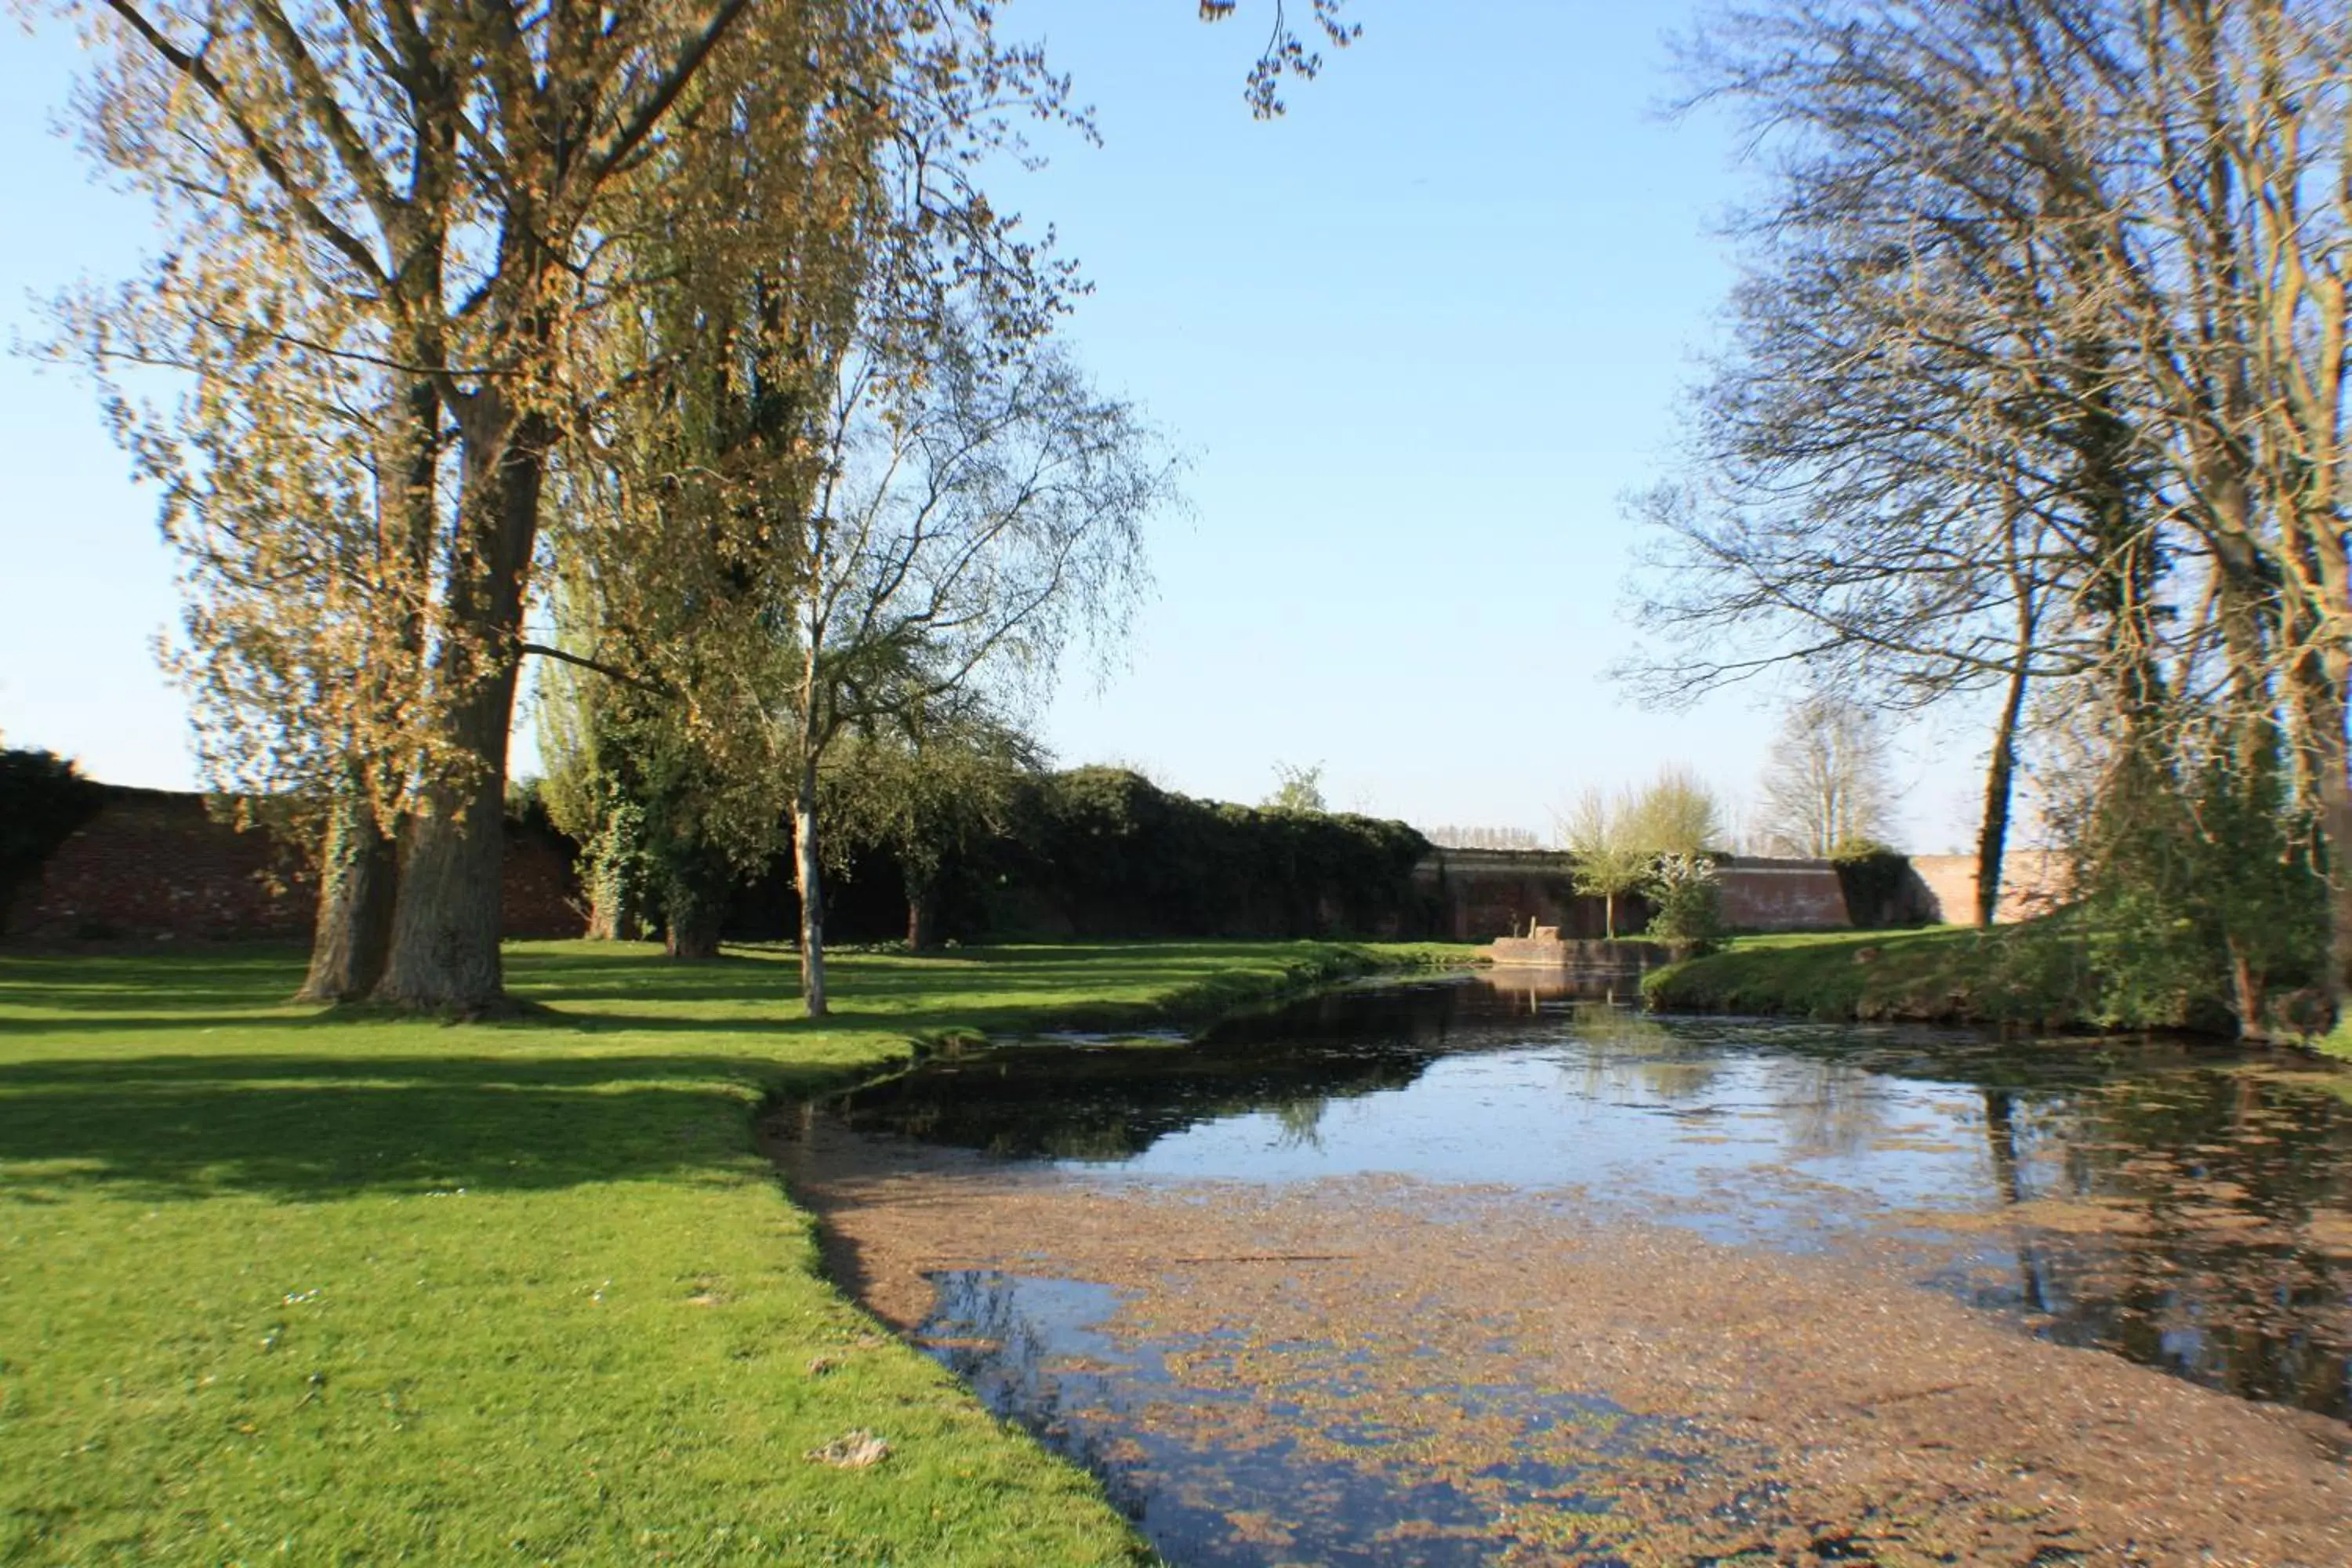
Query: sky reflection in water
2184	1207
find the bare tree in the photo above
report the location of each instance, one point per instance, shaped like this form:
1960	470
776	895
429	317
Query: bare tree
1825	789
2039	377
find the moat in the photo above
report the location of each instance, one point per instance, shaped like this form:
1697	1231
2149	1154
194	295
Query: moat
1462	1270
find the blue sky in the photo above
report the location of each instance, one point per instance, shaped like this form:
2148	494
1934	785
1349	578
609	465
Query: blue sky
1417	340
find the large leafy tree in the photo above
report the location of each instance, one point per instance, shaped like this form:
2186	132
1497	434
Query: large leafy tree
2041	379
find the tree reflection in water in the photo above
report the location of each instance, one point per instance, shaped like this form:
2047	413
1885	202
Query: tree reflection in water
2181	1207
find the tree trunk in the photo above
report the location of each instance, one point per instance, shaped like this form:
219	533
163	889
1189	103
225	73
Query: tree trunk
607	910
1608	916
445	925
360	865
613	857
921	898
2000	777
808	879
357	877
2318	677
694	903
691	931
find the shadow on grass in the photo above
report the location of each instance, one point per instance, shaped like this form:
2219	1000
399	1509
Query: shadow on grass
306	1128
251	1095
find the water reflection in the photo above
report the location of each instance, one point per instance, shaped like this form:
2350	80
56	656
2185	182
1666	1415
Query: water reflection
2185	1209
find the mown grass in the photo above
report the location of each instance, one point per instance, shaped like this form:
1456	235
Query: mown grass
279	1284
1940	974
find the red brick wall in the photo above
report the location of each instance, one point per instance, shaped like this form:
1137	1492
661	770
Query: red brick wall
155	864
1482	894
542	896
1759	894
2032	882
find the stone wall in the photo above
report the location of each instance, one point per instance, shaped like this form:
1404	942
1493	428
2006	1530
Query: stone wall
154	865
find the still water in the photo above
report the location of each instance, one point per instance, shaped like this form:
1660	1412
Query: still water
2180	1207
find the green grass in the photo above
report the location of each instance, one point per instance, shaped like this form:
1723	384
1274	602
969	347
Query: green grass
1945	973
302	1287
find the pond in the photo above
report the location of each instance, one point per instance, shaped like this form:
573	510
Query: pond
1462	1270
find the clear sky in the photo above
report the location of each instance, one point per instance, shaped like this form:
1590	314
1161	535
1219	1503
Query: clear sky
1417	340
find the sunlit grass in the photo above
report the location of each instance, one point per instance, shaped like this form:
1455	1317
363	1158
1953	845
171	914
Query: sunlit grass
1935	972
321	1287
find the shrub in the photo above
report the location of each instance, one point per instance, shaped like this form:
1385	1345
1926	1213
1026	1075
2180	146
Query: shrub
1688	900
1878	885
1105	852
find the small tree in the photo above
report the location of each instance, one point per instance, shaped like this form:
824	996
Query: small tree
1675	813
1688	897
928	792
1297	789
1612	861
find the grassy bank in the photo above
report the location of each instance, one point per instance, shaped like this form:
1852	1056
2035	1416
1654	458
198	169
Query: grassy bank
279	1284
1942	974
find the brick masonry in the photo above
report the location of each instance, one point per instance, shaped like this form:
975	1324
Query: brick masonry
2032	882
1761	894
1482	894
156	865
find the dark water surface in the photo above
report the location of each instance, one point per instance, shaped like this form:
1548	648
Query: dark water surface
2180	1207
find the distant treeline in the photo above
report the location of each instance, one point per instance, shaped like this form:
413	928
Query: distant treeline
1102	852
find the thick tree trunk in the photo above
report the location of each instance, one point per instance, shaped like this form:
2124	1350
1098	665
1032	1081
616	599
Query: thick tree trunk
445	925
691	931
921	898
2001	778
607	911
353	935
360	865
694	903
612	894
808	880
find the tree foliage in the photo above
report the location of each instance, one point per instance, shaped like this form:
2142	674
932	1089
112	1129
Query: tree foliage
1298	787
2039	378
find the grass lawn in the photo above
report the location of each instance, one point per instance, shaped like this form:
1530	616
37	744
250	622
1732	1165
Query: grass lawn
300	1287
1953	973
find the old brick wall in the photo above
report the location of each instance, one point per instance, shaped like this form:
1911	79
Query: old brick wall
1482	894
2032	882
542	896
156	865
1761	894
